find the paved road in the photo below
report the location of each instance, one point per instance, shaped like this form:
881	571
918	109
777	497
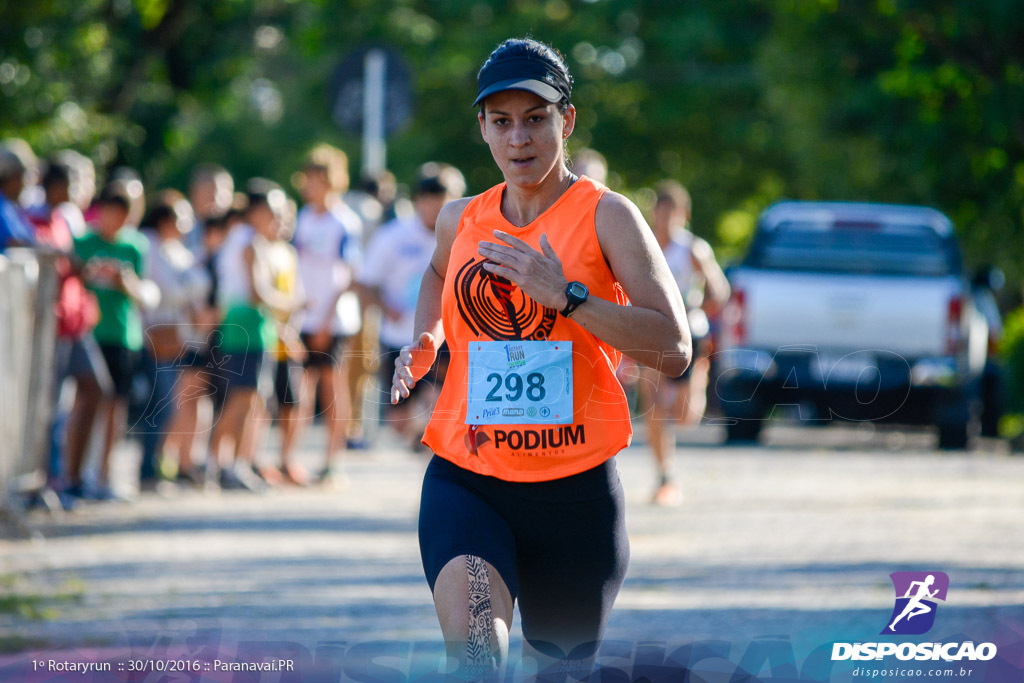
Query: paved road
791	538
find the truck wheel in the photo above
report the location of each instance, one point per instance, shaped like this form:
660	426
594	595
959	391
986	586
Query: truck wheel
743	431
991	400
953	437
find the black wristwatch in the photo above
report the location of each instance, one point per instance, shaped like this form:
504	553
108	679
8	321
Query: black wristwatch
575	293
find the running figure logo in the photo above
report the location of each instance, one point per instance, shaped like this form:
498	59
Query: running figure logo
916	593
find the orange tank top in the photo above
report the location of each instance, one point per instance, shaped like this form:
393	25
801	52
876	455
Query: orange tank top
477	306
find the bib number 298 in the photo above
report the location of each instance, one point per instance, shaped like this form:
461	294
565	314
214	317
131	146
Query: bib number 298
513	383
519	382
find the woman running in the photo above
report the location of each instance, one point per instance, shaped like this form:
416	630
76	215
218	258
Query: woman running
531	284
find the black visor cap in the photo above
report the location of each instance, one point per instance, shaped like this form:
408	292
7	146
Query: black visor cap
526	72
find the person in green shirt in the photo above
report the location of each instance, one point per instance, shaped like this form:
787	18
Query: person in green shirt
248	333
112	256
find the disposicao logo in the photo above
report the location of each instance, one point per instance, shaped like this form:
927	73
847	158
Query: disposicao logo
916	593
914	615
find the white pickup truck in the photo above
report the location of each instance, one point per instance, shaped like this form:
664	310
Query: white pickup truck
851	312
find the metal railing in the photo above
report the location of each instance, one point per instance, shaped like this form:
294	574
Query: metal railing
28	339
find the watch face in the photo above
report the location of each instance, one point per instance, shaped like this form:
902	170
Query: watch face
577	289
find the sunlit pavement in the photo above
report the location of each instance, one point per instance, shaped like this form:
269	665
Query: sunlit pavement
777	539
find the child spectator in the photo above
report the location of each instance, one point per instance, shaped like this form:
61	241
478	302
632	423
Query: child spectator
328	238
114	256
183	287
76	312
248	332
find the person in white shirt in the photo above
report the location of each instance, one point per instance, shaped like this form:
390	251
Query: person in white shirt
396	258
183	284
328	238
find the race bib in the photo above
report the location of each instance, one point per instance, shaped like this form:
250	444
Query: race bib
519	382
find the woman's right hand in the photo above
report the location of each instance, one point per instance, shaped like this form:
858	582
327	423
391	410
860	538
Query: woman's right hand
412	364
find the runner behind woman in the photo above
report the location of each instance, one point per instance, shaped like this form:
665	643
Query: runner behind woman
705	290
529	285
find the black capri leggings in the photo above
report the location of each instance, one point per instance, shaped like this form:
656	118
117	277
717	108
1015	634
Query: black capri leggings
560	546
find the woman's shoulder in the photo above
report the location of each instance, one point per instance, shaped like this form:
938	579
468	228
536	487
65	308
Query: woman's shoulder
616	210
451	213
447	226
451	216
619	224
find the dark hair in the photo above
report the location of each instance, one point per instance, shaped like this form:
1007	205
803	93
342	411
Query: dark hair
518	48
115	193
235	213
239	205
56	173
162	211
164	206
433	178
262	192
216	222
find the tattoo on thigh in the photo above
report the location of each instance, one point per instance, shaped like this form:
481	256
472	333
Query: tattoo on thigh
479	651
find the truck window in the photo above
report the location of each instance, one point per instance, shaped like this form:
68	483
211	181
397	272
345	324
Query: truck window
855	247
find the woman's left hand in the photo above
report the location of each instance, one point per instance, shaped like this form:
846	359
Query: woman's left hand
538	273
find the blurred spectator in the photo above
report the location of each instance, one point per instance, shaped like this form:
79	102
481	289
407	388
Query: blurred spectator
366	206
114	260
15	227
129	178
81	189
55	201
376	201
383	188
328	239
592	164
211	192
289	384
201	387
31	193
76	312
247	296
83	177
184	285
396	258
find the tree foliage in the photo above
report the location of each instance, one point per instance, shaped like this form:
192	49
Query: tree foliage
745	102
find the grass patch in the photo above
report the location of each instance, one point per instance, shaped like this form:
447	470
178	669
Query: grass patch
34	605
10	645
